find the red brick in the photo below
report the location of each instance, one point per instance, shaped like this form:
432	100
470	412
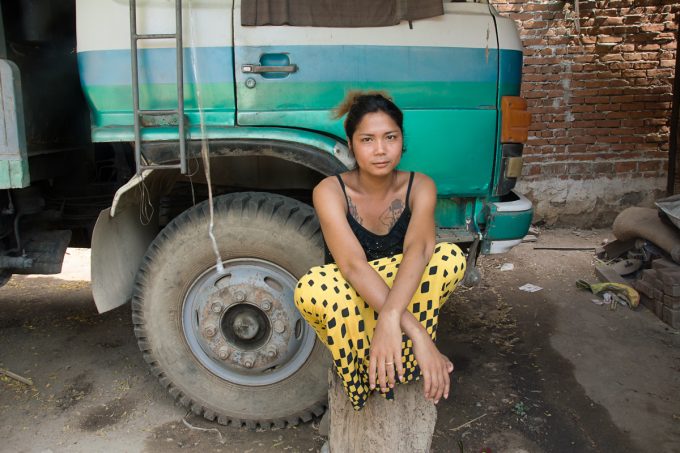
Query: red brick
649	165
612	57
609	39
632	56
597	100
647	28
542	24
626	98
632	123
613	21
630	73
664	36
624	48
608	123
656	121
625	167
603	167
660	72
647	47
645	65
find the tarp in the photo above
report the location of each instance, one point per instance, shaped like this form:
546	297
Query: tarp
337	13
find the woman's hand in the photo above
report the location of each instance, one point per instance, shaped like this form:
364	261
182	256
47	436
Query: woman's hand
385	353
435	368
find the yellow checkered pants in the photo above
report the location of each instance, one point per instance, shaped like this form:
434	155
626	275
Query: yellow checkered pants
345	323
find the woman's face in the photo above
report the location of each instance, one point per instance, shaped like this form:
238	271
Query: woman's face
377	144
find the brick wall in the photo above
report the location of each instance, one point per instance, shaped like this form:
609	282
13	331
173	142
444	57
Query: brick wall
601	104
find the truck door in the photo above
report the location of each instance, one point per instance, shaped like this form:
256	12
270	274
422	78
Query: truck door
442	72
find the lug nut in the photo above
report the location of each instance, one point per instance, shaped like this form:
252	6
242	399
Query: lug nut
224	353
216	307
272	352
248	363
239	296
279	326
210	331
266	305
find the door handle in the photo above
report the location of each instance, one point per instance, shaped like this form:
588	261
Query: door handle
259	69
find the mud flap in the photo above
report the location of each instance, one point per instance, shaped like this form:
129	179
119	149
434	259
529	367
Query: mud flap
118	247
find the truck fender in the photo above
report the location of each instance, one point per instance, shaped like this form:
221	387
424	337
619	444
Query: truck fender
122	234
124	231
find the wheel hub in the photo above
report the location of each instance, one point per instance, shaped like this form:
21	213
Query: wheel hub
246	326
243	326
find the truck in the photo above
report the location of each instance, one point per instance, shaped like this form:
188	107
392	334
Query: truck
181	140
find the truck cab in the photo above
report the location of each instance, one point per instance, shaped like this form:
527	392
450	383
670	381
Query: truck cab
219	126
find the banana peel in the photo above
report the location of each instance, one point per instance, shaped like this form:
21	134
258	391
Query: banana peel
626	294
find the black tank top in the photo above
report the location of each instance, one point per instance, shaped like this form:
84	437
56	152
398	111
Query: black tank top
378	245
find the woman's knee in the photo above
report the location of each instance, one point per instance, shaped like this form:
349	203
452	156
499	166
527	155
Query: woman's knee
318	289
306	290
449	254
448	262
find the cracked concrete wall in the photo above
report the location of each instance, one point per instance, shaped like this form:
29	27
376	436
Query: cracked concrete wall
589	202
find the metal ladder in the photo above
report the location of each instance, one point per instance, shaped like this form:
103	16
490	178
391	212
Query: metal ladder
179	112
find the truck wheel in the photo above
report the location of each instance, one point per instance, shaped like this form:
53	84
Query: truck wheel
230	345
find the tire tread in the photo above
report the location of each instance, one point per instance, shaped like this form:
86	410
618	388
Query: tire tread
272	207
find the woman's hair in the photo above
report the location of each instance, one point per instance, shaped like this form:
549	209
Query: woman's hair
358	103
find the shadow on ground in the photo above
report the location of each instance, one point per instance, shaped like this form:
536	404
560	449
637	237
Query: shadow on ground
538	372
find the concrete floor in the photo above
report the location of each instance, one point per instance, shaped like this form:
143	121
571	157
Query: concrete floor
547	371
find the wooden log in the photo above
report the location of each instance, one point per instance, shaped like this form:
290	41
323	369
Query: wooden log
403	424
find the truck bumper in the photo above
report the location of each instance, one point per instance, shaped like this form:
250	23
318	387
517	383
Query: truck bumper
507	222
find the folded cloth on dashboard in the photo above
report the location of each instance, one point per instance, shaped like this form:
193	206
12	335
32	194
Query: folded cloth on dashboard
334	13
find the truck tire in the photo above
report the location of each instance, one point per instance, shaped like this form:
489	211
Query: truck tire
230	345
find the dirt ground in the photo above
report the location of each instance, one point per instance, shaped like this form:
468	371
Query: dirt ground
547	371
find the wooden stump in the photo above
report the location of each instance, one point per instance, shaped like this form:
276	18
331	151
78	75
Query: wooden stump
382	426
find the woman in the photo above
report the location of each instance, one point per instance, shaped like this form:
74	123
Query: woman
388	276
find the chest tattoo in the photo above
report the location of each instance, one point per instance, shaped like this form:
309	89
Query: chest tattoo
390	215
353	211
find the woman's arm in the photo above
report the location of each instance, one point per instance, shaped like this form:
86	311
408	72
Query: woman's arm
418	247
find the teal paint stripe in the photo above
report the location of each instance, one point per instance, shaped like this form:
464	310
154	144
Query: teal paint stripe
315	63
423	95
377	63
156	66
